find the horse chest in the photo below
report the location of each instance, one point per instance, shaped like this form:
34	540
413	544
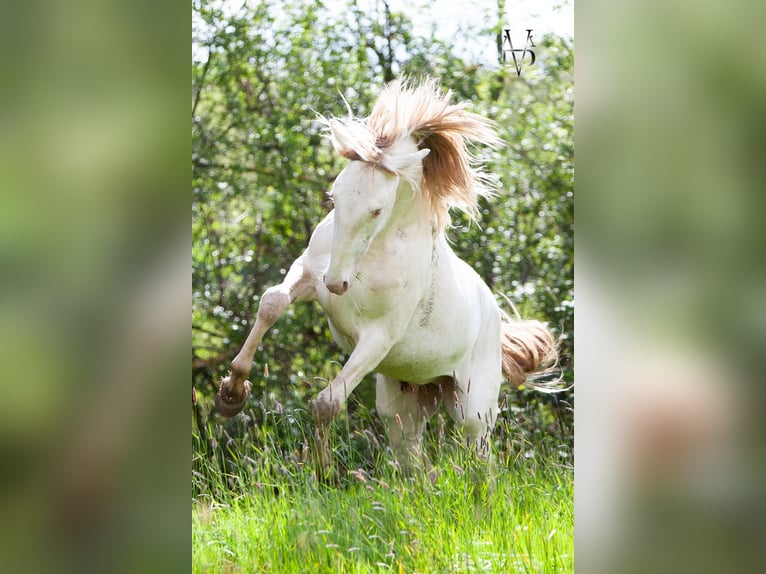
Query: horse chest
360	308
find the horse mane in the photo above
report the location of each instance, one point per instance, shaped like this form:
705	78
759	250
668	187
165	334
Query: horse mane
452	176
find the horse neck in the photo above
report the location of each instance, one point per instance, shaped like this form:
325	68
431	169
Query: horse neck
412	211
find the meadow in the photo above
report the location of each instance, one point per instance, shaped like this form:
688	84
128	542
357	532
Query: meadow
260	504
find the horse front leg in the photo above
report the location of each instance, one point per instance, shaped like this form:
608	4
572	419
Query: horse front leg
297	286
372	348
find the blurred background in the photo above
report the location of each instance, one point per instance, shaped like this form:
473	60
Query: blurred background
94	246
670	283
94	286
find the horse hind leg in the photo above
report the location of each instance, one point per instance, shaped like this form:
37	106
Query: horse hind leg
234	389
472	403
404	409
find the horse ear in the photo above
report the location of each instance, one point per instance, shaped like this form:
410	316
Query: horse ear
397	163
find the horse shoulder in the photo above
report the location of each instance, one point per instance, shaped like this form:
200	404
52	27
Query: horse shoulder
317	254
321	240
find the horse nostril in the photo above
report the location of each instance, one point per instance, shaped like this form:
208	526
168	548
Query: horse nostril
337	288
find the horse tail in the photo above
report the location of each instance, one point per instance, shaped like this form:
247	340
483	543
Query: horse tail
530	353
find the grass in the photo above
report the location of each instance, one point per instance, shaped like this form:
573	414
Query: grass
258	505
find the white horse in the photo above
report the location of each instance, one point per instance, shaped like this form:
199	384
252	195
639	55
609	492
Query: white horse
397	297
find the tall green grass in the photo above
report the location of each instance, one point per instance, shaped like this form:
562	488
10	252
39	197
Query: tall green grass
260	504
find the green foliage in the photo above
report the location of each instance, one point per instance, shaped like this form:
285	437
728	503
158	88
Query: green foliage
261	168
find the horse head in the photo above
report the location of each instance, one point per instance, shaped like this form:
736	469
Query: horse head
389	152
365	195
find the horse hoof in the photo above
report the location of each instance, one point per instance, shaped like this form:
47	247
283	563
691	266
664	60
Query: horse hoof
226	402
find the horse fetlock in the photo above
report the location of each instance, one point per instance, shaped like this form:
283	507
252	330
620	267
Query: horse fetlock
325	408
229	401
239	371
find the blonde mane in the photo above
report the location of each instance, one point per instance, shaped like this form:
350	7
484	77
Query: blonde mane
451	174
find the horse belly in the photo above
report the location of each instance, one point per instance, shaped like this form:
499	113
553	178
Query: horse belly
422	356
446	326
415	368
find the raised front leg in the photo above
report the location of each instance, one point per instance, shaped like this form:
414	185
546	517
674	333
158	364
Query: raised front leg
297	286
372	348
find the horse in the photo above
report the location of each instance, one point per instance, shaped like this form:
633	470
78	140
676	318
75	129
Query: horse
397	297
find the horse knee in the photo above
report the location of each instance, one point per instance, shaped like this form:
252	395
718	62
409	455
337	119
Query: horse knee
272	305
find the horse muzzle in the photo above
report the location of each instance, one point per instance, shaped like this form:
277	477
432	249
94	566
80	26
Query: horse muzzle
337	287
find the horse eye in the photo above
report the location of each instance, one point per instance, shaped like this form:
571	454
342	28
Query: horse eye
377	212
